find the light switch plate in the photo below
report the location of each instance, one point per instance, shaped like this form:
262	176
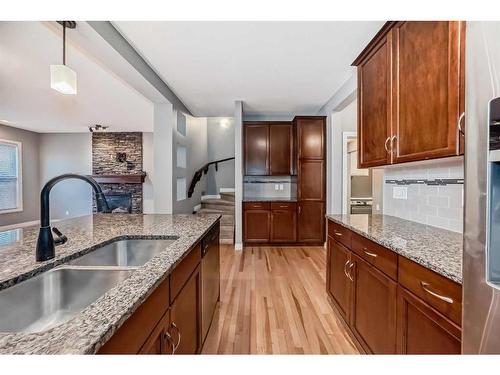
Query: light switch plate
281	186
400	192
276	187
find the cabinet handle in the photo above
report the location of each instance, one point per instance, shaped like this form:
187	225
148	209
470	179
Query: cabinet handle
300	209
393	138
338	234
385	144
462	116
174	326
283	206
349	271
425	286
370	254
167	336
345	269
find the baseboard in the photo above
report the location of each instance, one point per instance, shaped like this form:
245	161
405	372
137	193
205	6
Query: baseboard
205	197
226	190
238	246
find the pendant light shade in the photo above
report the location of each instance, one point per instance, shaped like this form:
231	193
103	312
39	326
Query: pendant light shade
63	78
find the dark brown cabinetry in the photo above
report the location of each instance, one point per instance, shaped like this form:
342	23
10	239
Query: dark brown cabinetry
310	137
283	222
310	222
408	67
256	149
210	281
170	320
389	303
280	149
265	222
311	174
256	222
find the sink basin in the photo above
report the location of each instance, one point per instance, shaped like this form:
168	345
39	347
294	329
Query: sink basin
124	253
54	297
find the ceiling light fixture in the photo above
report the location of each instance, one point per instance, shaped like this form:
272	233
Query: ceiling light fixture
62	78
97	128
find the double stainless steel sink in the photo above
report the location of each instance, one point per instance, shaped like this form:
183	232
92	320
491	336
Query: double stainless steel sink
58	295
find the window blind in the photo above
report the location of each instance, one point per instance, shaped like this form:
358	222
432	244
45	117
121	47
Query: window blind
8	176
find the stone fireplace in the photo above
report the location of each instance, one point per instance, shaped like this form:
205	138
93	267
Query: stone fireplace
117	168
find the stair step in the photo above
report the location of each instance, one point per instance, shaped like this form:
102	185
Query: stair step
227	196
226	219
213	206
221	202
226	232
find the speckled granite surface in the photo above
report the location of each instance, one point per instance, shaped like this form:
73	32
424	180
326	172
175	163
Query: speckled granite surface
263	199
90	329
434	248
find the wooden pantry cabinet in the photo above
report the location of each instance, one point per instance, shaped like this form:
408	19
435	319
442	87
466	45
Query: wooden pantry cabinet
389	303
411	93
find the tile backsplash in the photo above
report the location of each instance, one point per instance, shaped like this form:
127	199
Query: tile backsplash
265	187
439	206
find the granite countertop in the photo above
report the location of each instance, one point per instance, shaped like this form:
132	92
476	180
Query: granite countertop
437	249
90	329
265	199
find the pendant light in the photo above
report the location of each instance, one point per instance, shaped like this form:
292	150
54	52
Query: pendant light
62	78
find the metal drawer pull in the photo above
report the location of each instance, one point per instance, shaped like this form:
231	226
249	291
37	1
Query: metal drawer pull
370	254
425	286
460	123
350	268
168	337
178	335
338	234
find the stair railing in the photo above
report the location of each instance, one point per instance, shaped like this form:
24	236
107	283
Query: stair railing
203	170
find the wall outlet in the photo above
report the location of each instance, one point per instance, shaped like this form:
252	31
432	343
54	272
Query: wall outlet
276	187
67	213
377	207
400	192
281	186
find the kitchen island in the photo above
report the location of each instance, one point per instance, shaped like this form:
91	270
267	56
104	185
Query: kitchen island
95	325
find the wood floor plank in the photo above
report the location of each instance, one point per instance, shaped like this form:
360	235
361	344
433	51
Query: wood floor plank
273	301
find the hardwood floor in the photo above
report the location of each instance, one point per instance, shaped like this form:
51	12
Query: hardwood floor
273	301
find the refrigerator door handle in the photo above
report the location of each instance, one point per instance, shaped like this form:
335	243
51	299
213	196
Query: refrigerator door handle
425	286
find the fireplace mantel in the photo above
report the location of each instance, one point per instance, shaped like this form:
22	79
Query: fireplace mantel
120	178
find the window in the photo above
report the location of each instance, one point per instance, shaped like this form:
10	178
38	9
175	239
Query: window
10	177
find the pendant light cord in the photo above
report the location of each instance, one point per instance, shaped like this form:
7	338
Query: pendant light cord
64	42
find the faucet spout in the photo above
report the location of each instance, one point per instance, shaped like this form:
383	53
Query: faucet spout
45	248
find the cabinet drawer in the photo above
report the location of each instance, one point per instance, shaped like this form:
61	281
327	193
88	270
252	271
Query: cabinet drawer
256	205
378	256
339	233
438	291
183	270
283	206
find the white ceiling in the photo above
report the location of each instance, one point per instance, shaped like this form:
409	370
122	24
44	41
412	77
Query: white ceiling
274	67
27	101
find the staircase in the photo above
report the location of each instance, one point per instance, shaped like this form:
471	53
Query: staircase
224	206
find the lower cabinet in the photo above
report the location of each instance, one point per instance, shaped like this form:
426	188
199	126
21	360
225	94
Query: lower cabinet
185	316
311	222
373	318
265	222
160	341
283	222
256	223
372	296
422	329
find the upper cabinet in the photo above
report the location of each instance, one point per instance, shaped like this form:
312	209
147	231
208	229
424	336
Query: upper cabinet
411	93
310	137
268	148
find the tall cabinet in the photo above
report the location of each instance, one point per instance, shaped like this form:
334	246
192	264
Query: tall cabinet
311	179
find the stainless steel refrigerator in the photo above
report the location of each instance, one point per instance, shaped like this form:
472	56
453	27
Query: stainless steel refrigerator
481	267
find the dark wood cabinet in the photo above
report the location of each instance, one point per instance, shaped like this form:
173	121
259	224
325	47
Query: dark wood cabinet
185	316
256	223
283	222
160	341
427	60
374	106
311	175
310	137
411	93
280	149
389	303
310	222
256	150
339	286
373	317
423	330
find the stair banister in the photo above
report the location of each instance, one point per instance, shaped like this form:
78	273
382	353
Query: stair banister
204	170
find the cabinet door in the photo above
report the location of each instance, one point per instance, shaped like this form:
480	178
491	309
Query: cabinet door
311	222
423	330
374	106
374	308
311	180
283	225
280	149
339	286
427	58
256	225
185	316
311	137
160	341
256	149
